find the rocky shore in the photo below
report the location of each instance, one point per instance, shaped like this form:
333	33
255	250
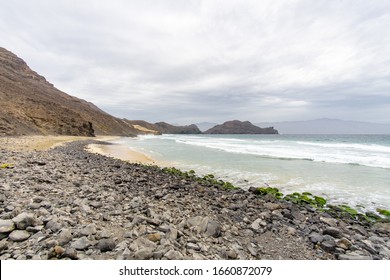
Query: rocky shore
67	203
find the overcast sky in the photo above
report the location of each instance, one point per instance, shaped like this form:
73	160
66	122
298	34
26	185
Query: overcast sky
193	61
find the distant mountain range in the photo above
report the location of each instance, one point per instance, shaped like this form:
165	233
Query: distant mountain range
328	126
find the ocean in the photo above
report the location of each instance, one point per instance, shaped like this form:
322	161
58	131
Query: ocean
345	169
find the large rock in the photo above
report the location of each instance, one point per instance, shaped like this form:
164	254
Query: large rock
24	220
19	235
6	226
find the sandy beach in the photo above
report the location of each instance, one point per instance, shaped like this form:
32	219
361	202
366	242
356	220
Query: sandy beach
120	152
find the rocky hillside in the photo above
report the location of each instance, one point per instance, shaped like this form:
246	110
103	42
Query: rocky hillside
166	128
238	127
30	105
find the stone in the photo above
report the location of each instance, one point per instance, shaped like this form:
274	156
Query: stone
382	227
88	230
24	220
105	234
173	255
360	230
329	221
3	245
252	250
53	225
272	206
19	235
106	244
192	246
59	251
328	245
51	243
81	244
194	221
213	229
143	254
6	226
368	246
64	237
344	243
258	224
70	253
172	234
334	232
34	229
353	257
316	237
154	237
142	242
232	254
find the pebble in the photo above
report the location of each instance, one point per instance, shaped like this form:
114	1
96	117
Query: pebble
106	244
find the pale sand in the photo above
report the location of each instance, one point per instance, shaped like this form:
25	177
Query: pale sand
121	152
41	143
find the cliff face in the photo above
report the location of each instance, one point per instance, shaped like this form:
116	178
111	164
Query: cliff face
166	128
30	105
238	127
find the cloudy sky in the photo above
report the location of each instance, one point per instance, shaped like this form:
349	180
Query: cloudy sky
193	61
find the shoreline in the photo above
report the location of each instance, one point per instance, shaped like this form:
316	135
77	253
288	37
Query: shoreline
81	205
121	152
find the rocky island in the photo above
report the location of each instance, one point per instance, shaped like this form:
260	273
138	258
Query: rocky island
239	127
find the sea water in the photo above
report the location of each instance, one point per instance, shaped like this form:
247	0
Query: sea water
345	169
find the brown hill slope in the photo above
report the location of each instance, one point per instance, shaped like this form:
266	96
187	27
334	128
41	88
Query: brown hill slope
29	105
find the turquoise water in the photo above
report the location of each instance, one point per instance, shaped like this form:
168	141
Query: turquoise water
353	169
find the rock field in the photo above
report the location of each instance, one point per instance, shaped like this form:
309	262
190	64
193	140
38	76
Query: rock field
67	203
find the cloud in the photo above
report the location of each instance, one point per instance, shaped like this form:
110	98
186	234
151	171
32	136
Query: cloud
189	61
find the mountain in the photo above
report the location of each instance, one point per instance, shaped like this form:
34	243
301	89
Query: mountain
166	128
329	126
30	105
238	127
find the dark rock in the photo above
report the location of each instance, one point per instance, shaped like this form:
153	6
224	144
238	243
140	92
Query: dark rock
335	232
105	245
328	245
70	253
213	229
316	237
